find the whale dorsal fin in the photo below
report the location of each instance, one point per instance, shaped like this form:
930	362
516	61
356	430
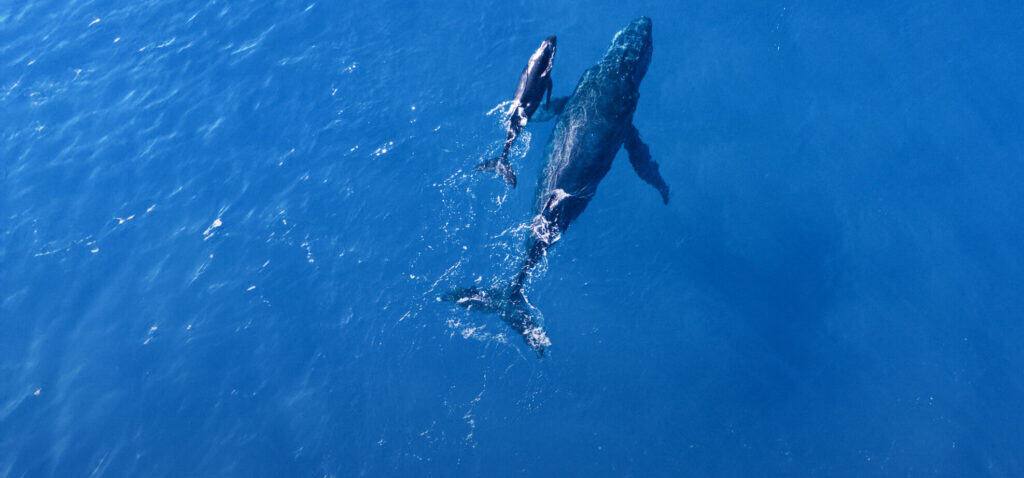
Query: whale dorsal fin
645	167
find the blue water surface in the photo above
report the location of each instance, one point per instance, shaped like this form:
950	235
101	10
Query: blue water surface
226	227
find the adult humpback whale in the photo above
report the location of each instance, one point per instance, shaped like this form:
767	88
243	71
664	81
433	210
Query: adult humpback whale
533	82
596	122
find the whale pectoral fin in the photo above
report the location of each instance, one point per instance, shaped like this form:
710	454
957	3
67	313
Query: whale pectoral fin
645	167
550	86
551	109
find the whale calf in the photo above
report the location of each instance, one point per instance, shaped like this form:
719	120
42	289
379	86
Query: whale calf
595	123
534	81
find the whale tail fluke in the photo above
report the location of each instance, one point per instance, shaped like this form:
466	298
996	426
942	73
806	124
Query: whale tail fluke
511	306
501	166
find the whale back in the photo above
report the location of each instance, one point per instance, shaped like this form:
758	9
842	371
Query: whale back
591	129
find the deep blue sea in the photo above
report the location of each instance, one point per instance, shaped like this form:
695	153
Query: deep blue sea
226	227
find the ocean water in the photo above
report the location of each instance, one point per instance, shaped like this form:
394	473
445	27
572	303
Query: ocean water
226	226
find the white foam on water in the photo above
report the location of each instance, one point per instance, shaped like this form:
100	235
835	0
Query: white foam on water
208	233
